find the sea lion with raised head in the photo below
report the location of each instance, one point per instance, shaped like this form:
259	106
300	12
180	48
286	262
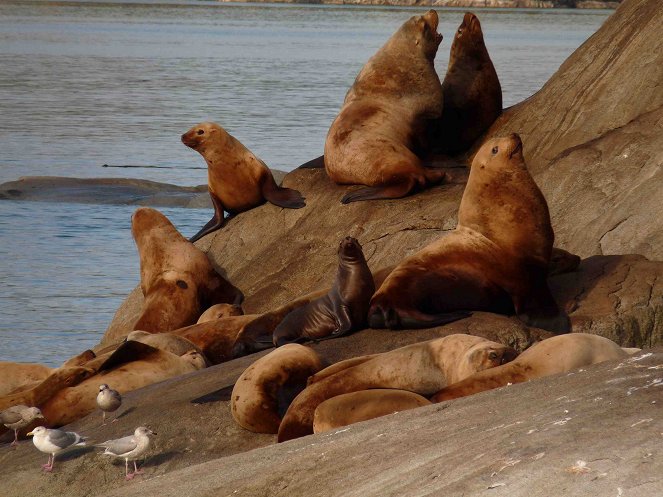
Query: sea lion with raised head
553	355
422	368
265	389
176	277
354	407
237	179
379	132
340	311
471	89
496	260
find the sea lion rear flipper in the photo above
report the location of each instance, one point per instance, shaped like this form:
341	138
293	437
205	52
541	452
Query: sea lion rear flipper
127	352
282	197
397	190
317	163
213	224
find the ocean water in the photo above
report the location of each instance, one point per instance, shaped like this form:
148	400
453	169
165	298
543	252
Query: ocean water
88	84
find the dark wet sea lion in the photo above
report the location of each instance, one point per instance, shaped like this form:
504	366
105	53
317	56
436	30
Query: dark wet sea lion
417	368
472	91
496	260
379	132
340	311
553	355
237	179
176	277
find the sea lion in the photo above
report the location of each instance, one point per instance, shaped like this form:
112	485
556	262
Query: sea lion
495	260
265	389
133	365
375	140
340	311
14	375
237	179
471	89
169	342
177	279
422	368
354	407
219	311
554	355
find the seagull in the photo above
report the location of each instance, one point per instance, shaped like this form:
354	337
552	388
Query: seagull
53	442
108	400
129	448
18	417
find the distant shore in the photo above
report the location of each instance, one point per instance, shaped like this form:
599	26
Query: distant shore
523	4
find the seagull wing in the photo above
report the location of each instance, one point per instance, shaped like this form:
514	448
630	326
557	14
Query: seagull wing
10	415
63	439
119	446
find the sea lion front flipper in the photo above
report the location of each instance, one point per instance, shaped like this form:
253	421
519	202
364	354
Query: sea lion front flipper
317	163
397	190
213	224
127	352
282	197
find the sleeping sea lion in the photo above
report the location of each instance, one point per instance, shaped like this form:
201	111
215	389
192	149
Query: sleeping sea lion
554	355
237	179
378	134
422	368
496	260
340	311
219	311
177	279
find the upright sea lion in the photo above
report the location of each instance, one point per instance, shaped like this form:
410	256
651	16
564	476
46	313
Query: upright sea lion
133	365
378	134
237	179
340	311
219	311
421	368
265	389
472	91
551	356
354	407
177	279
496	259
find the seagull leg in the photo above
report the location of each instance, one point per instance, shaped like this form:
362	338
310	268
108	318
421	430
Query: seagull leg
129	476
15	442
49	466
103	418
136	470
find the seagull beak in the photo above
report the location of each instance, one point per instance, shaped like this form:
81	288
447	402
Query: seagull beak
30	433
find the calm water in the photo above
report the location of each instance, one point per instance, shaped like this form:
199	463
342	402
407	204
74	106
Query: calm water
83	84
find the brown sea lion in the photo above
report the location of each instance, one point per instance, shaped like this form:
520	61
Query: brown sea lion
133	365
354	407
496	259
169	342
265	389
422	368
375	140
554	355
177	279
219	311
237	179
472	91
14	375
340	311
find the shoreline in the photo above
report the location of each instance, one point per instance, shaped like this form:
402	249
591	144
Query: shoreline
488	4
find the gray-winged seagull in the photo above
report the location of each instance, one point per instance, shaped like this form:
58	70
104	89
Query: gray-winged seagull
54	441
129	448
17	417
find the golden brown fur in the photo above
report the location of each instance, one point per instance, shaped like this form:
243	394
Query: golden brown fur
376	137
219	311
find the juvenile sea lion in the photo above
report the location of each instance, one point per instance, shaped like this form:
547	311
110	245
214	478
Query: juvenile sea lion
471	88
554	355
340	311
219	311
133	365
422	368
265	389
237	179
496	259
377	136
177	279
354	407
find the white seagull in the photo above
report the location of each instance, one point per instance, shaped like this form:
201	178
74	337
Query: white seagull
54	441
17	417
129	448
108	400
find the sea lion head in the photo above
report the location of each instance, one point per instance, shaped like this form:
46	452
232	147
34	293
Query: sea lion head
196	359
350	249
484	355
423	29
500	154
468	37
201	135
146	219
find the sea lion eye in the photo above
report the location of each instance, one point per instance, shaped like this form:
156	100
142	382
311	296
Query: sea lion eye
492	356
495	150
460	31
201	132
